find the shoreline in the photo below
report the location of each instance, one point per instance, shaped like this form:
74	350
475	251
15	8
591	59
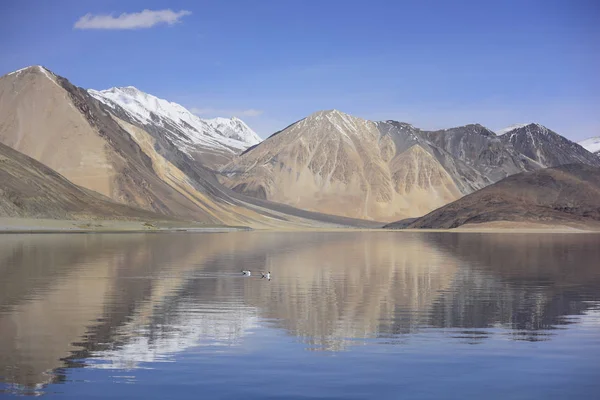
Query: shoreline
48	226
89	231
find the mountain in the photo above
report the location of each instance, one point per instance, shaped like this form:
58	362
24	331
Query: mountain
212	142
564	195
404	135
335	163
60	125
105	149
547	147
338	170
592	145
32	190
481	149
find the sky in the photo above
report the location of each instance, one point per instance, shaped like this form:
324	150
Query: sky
435	64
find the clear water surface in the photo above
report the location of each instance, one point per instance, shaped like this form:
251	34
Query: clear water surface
347	315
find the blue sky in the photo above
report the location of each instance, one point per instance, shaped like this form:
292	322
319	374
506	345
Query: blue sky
435	64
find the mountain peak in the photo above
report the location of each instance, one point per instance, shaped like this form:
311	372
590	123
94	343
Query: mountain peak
327	113
534	129
547	147
37	70
339	121
219	133
31	68
471	128
127	89
530	125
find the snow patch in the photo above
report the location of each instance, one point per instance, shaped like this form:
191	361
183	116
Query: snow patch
17	71
187	129
48	75
592	144
510	128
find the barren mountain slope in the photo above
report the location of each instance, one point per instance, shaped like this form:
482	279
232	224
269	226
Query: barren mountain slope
481	149
569	194
547	147
200	185
466	178
29	189
62	126
45	117
334	163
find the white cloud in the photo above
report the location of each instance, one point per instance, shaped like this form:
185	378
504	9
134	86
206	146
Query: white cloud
251	112
140	20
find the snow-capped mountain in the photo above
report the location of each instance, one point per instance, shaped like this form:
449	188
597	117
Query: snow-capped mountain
234	128
191	134
592	144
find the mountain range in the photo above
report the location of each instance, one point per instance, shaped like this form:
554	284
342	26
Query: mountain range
130	148
334	163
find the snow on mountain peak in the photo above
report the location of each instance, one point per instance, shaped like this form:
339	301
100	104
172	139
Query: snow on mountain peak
146	109
592	144
234	128
511	128
36	69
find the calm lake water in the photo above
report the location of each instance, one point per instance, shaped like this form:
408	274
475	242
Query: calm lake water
348	315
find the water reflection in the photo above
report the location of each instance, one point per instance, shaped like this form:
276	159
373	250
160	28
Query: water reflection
118	301
521	282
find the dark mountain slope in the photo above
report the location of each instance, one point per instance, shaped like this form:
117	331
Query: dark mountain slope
569	194
482	150
547	147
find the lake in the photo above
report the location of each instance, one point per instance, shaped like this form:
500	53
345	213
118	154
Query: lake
346	315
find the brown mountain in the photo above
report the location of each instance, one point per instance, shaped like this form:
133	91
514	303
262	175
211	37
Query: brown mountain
334	163
45	117
565	195
88	142
29	189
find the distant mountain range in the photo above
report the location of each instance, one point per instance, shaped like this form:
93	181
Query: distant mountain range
328	169
334	163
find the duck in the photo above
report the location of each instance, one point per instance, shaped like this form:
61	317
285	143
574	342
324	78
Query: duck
246	272
267	275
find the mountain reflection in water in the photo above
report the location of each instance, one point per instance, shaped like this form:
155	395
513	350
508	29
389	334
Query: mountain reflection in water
125	301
